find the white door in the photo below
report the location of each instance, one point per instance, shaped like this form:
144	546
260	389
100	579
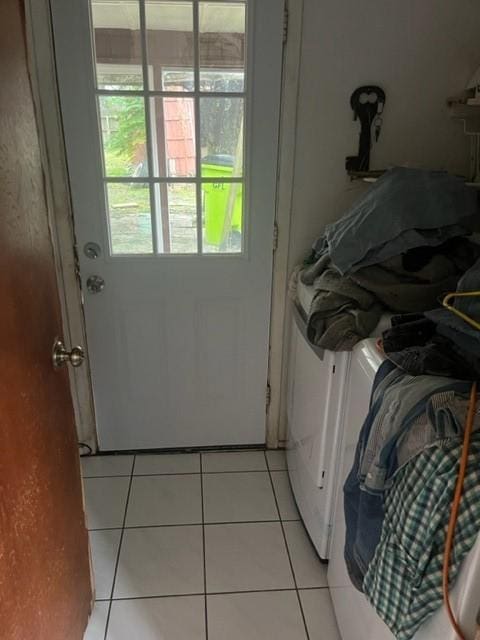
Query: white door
171	113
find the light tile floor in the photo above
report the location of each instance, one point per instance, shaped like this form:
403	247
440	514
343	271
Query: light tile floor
201	547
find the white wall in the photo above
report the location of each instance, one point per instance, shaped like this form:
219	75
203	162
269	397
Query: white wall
419	52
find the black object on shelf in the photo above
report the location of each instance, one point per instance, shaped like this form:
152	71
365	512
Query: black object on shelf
367	103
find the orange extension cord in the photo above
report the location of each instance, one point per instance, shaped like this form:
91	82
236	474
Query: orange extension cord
455	506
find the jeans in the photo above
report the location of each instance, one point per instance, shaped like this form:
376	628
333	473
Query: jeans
363	511
407	415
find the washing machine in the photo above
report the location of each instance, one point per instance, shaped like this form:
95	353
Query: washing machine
356	619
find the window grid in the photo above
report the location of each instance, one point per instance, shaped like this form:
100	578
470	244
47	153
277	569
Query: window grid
198	146
148	93
152	93
173	179
148	127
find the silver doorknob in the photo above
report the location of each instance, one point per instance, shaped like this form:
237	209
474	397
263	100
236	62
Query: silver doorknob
95	284
60	355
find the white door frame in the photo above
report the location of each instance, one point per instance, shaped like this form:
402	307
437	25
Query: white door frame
280	309
43	72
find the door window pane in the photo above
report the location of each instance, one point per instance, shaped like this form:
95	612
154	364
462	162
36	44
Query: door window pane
222	214
169	36
116	25
222	46
122	120
174	147
129	218
177	207
221	137
173	137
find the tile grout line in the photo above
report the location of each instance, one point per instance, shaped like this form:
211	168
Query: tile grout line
204	553
119	549
212	593
307	635
219	473
117	475
195	524
183	473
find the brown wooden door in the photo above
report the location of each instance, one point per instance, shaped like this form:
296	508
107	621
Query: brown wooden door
45	590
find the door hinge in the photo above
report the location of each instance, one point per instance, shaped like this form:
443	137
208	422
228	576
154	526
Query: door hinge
275	236
322	480
285	24
268	395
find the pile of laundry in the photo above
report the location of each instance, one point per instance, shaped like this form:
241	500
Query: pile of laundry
399	248
399	493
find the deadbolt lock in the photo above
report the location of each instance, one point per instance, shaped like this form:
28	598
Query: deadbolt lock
92	250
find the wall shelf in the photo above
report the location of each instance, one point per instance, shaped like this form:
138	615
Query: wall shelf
373	176
366	176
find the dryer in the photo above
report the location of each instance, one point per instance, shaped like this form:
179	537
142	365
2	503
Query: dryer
316	389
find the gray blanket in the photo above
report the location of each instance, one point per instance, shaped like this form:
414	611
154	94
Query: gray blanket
346	309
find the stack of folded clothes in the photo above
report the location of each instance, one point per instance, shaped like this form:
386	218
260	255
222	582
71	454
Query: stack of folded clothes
398	249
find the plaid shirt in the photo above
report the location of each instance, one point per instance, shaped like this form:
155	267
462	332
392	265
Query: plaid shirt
404	579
